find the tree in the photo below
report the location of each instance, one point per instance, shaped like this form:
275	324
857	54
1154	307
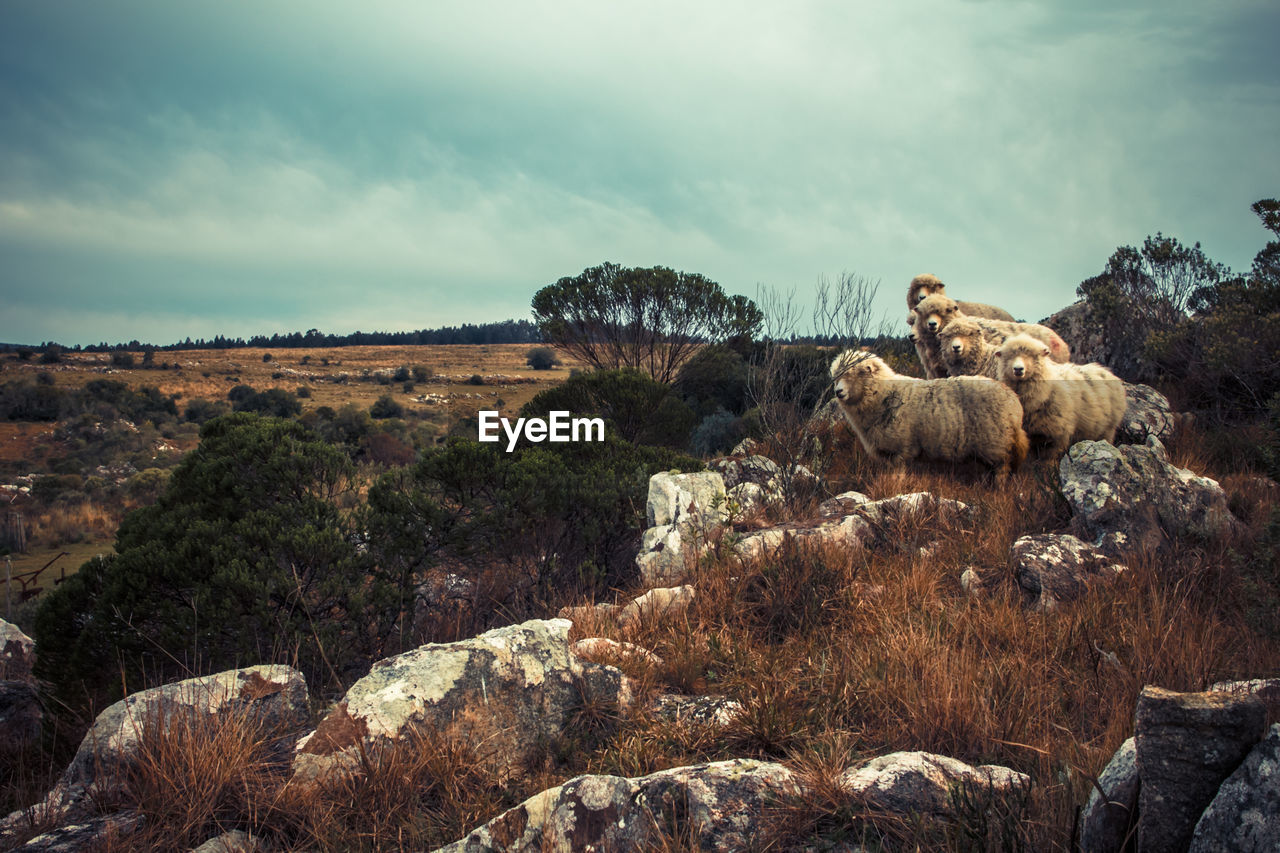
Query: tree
649	319
1144	291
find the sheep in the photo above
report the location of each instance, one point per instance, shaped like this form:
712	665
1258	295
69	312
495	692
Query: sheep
966	351
1063	403
927	349
935	312
944	419
925	285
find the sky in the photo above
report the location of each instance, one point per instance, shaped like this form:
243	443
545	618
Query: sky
198	168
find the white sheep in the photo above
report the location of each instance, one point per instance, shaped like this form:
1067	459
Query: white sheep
950	420
926	284
936	311
1063	403
965	350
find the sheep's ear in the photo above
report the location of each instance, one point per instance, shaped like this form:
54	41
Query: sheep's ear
1044	351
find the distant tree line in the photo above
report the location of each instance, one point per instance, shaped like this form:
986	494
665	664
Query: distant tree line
505	332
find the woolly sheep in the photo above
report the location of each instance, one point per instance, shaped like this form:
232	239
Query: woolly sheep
927	349
1064	403
925	285
950	420
966	351
934	312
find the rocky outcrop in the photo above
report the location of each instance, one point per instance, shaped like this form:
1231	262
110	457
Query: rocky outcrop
1111	815
1245	813
717	806
500	693
604	650
274	696
235	841
1077	326
920	783
1187	745
696	710
1052	569
1146	413
682	510
1132	498
17	653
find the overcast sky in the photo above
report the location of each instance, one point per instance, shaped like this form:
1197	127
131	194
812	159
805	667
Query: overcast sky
198	168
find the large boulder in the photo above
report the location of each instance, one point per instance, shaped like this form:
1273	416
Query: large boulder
1111	815
1187	745
501	693
1146	413
1131	497
717	806
760	470
17	653
921	783
1084	334
1245	813
1052	568
92	833
273	696
682	510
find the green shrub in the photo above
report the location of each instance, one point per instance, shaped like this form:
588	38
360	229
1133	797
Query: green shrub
386	407
715	379
201	411
243	558
120	358
541	358
274	401
635	407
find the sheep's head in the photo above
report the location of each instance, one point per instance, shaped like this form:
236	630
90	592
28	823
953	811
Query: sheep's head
959	339
934	312
1022	358
852	370
922	286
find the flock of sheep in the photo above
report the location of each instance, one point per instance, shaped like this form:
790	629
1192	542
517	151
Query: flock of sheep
993	384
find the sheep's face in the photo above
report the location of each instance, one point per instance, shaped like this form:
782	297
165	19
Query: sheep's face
1022	359
922	287
959	339
852	371
934	312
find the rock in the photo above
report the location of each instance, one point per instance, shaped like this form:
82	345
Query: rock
1109	818
712	806
604	650
1147	413
760	470
842	504
1135	491
1082	333
697	710
235	841
20	715
17	653
922	783
665	556
1052	569
686	499
745	497
746	447
1266	689
659	603
602	612
1245	814
501	692
848	532
86	835
682	509
979	583
1187	745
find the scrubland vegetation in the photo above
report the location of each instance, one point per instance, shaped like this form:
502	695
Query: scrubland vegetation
306	534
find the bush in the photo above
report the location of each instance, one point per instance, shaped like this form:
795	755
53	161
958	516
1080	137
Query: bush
51	355
266	356
402	374
386	407
244	553
240	393
567	515
274	401
541	358
476	379
636	407
120	358
303	392
714	379
420	373
717	434
200	411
